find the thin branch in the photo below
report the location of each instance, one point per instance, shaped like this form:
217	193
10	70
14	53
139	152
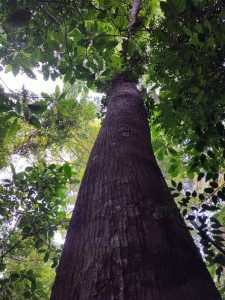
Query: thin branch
206	237
81	144
6	85
52	17
77	156
24	260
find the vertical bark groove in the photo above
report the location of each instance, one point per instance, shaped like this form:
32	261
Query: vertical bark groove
126	239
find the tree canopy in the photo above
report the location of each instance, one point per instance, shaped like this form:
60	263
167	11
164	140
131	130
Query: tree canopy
175	49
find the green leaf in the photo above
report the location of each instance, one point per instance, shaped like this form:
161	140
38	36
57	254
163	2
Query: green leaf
33	120
173	183
173	170
160	155
198	28
200	145
210	42
27	295
67	170
220	259
216	225
55	263
38	107
190	174
209	190
8	69
184	212
76	181
106	73
179	186
2	267
200	176
57	92
201	197
111	43
179	5
174	195
18	108
215	199
187	31
165	7
13	129
211	154
28	169
217	231
209	207
219	271
14	277
208	176
157	144
203	158
213	219
46	257
194	90
33	286
221	195
15	69
172	151
208	25
213	184
194	194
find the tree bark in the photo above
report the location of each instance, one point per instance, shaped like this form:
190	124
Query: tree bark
127	239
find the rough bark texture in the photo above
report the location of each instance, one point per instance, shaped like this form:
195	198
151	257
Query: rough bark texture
126	239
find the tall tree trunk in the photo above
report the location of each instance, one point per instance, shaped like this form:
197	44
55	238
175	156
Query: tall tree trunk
126	239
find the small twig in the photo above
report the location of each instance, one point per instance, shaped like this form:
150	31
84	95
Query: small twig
6	85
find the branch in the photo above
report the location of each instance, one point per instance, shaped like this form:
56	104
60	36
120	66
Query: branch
206	237
134	14
53	18
24	260
81	144
50	15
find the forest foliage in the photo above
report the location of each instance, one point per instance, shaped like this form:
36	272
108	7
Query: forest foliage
176	50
